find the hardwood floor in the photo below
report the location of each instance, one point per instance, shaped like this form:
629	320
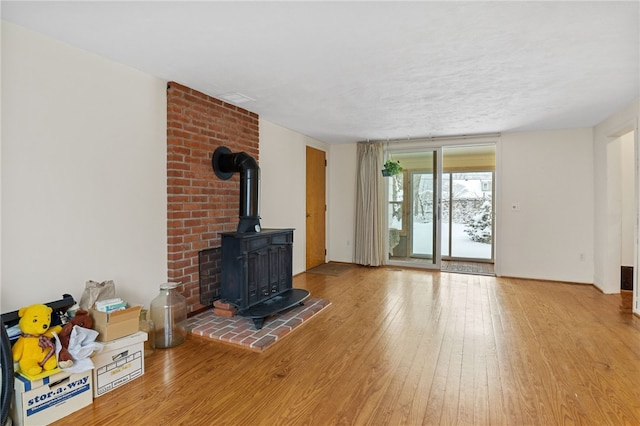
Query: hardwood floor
406	347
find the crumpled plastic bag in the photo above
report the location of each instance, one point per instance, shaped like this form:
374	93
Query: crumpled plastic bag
82	344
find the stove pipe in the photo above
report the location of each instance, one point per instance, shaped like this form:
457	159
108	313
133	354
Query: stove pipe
224	164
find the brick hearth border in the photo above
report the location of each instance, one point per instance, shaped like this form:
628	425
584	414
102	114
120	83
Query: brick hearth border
240	331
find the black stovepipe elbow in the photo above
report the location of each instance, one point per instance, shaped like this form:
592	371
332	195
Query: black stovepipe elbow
228	162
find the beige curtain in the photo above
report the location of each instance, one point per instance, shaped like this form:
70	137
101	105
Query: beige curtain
370	214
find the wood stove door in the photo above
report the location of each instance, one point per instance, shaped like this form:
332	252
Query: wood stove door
257	279
281	268
268	272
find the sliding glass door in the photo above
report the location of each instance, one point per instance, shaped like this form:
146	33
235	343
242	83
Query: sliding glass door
467	215
424	215
441	205
414	210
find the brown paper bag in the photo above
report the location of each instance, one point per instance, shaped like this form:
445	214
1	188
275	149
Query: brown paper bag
95	291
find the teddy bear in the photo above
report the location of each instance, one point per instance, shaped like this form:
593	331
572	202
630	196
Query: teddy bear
81	319
35	349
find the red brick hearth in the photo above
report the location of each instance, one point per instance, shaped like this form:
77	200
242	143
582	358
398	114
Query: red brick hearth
240	331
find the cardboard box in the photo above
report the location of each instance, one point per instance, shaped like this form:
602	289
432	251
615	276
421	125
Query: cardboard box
43	401
117	324
119	362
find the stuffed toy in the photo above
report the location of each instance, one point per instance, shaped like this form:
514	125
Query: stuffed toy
81	319
35	349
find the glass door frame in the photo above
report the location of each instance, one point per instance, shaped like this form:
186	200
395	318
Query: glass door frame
427	144
418	262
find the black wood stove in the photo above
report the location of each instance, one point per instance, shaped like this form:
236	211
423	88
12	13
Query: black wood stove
256	272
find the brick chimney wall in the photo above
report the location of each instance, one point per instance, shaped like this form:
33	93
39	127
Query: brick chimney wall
200	206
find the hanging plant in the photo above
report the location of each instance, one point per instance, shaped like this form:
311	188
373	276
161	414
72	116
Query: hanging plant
391	168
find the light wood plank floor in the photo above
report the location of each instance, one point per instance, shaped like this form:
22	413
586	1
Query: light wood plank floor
406	347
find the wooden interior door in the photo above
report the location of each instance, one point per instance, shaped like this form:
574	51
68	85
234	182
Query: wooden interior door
316	207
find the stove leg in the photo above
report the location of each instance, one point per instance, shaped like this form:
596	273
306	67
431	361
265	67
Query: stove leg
257	322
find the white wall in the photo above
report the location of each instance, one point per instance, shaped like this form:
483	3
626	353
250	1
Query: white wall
342	188
83	173
283	183
549	175
283	190
606	242
627	201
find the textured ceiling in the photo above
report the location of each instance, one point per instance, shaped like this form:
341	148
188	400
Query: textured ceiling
350	71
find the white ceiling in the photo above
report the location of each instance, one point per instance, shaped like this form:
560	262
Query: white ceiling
350	71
